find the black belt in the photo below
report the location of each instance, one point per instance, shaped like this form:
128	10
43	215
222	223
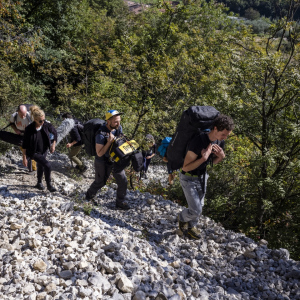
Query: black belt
187	173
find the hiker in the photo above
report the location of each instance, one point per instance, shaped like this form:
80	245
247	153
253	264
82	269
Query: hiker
19	120
162	150
203	149
148	154
36	143
103	165
75	144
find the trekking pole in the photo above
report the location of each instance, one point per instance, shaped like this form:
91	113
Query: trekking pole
69	152
5	127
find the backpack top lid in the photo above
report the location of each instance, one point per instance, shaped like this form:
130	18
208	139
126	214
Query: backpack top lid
166	140
202	116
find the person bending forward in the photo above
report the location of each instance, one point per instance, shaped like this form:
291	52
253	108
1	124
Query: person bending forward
203	149
103	165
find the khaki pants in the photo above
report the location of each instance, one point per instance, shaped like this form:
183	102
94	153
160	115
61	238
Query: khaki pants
73	156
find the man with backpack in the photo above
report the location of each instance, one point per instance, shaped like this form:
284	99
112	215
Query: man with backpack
19	120
105	137
204	148
75	144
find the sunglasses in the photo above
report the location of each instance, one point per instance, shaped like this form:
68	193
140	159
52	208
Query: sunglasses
41	121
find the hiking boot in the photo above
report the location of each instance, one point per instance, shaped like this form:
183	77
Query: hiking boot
122	205
83	169
39	186
193	233
183	226
89	198
51	188
145	176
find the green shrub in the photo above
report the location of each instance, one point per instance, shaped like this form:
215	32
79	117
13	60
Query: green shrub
259	26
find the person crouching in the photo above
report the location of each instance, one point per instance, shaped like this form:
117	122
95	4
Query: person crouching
36	143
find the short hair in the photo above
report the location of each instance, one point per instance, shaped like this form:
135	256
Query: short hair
67	116
223	122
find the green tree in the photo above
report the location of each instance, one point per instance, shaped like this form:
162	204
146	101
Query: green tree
264	90
251	14
165	60
18	45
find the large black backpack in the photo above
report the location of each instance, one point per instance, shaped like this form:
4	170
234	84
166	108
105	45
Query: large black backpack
88	134
193	121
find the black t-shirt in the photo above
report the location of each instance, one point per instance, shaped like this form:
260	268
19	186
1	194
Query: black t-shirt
101	138
41	140
75	135
196	145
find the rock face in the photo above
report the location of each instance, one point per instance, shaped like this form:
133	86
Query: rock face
51	250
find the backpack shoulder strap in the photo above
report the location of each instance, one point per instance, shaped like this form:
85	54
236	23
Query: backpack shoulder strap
28	117
16	116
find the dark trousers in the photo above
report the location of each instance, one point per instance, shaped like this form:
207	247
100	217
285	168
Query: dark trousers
43	166
102	172
146	164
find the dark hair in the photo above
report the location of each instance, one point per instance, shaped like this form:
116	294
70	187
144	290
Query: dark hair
67	116
223	122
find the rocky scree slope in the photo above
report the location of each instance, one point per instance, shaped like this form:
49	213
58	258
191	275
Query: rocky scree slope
51	250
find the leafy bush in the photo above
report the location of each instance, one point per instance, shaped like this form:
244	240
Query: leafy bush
259	26
251	14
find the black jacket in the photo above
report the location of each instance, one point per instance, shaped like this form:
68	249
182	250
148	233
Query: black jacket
30	137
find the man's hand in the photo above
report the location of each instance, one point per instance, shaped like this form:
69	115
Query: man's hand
218	151
205	153
14	127
110	138
69	145
24	161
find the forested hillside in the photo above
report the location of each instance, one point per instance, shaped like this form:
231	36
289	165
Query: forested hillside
89	56
256	8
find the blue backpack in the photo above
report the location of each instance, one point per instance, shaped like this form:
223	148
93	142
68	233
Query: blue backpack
162	149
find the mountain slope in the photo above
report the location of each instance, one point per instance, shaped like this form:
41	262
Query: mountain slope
50	249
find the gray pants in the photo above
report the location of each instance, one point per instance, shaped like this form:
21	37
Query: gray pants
102	172
194	195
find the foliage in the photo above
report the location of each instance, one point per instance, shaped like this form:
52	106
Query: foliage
251	14
259	26
265	86
90	56
273	9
